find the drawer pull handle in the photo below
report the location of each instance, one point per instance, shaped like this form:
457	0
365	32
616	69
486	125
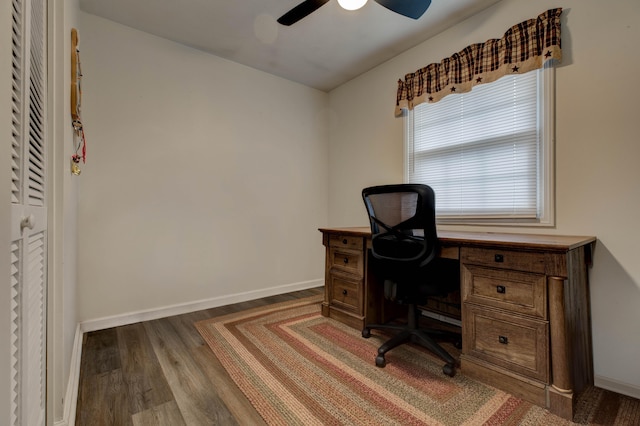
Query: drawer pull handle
501	289
499	258
344	241
344	292
346	260
503	339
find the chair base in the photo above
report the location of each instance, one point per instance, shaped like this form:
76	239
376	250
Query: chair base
411	333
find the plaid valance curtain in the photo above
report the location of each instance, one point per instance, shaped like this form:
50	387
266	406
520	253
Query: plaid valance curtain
524	47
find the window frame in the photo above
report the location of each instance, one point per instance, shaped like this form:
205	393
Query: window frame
545	159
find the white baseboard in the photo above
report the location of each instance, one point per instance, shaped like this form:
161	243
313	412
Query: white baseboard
71	395
183	308
617	386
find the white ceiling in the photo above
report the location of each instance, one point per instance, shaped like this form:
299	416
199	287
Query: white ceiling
324	50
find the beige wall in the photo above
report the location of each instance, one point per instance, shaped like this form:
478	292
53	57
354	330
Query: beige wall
204	178
597	151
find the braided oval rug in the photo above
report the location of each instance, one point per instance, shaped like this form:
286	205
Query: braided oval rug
297	367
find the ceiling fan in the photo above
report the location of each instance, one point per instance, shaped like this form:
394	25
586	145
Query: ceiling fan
409	8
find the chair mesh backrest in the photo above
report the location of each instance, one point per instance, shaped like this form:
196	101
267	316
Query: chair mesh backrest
402	219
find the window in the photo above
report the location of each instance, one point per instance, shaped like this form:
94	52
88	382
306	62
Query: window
488	153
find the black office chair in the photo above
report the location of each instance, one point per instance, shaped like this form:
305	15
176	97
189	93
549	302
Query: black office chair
404	253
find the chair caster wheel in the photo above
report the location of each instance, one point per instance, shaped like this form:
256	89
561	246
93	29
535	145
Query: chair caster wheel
380	361
366	333
449	370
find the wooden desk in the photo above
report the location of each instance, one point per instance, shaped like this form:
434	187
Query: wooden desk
526	320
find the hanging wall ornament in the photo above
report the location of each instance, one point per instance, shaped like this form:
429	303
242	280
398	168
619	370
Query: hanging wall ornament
79	140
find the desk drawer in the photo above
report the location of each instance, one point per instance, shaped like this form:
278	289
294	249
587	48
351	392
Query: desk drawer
343	241
519	292
515	343
346	293
496	258
349	261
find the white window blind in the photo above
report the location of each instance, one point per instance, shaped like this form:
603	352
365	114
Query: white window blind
482	151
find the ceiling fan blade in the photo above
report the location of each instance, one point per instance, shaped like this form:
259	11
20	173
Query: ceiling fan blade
409	8
300	11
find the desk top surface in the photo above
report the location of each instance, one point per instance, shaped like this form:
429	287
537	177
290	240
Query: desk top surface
489	239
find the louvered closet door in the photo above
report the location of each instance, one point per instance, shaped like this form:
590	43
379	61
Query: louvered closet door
29	214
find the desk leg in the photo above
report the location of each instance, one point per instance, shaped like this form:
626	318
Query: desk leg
561	390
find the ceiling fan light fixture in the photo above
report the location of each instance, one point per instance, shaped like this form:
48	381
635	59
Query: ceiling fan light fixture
351	4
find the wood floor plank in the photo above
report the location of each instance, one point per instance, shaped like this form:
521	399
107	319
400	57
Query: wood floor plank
100	378
185	324
101	350
103	399
198	403
225	387
167	414
146	385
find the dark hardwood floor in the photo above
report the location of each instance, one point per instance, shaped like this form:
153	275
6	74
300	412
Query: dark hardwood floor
162	373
